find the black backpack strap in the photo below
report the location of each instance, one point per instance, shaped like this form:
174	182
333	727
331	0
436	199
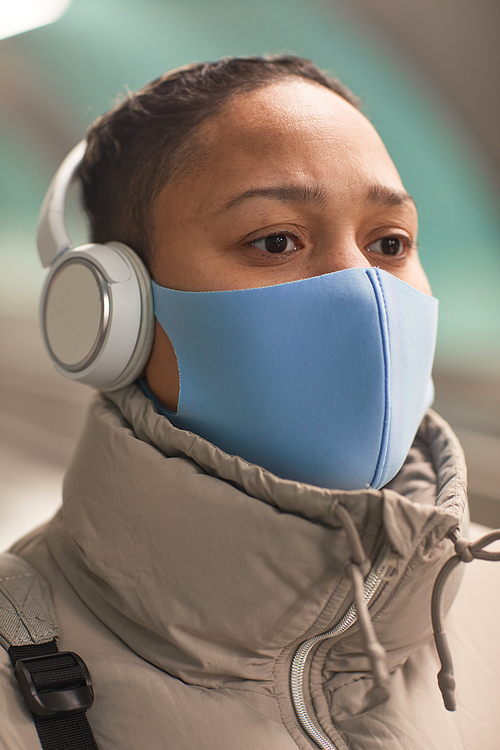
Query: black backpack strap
55	685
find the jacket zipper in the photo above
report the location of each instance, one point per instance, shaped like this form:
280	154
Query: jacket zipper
374	581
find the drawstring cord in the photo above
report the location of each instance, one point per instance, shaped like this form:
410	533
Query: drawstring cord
357	569
358	555
372	646
466	551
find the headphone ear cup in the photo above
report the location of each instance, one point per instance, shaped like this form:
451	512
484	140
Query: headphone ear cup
97	315
145	335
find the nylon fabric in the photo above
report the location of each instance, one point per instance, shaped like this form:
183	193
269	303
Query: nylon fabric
26	612
190	639
66	733
62	672
33	650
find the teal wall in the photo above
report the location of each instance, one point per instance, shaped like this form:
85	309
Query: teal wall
101	47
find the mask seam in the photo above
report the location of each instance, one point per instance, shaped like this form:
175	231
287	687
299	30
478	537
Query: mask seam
374	276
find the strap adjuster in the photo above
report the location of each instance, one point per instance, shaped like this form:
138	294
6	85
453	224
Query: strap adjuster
55	684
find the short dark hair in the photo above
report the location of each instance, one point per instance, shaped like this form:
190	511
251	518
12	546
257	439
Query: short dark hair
144	141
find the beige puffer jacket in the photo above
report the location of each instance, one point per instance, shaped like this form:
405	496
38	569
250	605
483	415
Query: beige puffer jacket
197	588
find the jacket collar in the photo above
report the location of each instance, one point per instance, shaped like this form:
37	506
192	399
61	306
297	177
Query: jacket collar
208	566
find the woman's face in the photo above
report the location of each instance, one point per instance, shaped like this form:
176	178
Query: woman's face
291	182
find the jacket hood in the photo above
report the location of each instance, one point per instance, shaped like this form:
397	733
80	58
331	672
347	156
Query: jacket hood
212	568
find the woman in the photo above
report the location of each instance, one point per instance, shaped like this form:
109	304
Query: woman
228	517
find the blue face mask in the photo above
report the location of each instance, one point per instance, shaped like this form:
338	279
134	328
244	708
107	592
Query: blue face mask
323	380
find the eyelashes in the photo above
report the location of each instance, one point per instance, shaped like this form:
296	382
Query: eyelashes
277	243
392	246
284	242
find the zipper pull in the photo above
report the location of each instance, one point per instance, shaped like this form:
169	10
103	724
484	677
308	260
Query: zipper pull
389	568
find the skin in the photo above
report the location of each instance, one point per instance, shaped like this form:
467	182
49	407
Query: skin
293	162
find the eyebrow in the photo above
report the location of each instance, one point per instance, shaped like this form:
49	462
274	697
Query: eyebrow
386	196
282	193
376	195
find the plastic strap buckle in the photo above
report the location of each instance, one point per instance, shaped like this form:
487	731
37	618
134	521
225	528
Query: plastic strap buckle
55	684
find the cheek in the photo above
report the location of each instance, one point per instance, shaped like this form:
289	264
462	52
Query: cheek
417	278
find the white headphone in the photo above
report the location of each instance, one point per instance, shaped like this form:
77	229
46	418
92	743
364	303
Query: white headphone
97	307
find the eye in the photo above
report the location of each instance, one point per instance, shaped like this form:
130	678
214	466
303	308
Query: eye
276	243
393	246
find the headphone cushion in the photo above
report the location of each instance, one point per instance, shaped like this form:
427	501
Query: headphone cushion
145	336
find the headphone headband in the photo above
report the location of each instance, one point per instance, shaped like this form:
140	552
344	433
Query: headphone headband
52	237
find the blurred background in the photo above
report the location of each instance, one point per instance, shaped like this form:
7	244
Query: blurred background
428	74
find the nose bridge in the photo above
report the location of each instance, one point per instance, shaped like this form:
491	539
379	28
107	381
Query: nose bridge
343	252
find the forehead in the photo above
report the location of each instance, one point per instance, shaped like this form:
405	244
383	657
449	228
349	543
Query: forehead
291	132
294	125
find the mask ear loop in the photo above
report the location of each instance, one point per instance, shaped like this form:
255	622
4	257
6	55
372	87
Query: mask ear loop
466	551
